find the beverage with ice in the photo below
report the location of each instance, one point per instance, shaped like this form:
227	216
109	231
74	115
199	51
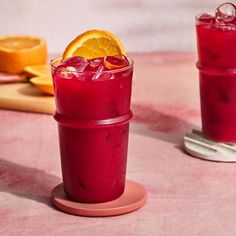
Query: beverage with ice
216	38
93	113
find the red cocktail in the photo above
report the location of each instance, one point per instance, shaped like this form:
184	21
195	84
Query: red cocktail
93	113
216	38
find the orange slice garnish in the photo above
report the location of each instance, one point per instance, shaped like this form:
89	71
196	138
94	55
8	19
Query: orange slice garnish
44	83
38	70
94	44
17	52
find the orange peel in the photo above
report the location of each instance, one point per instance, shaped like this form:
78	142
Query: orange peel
43	83
38	70
19	51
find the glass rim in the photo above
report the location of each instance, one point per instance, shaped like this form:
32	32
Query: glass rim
52	61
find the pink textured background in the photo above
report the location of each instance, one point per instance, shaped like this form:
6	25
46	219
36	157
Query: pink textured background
186	196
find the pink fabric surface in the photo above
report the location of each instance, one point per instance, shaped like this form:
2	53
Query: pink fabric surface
186	196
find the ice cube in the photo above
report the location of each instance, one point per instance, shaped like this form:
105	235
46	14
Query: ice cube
96	62
206	18
77	63
102	74
71	68
68	68
72	61
226	13
62	72
99	74
115	62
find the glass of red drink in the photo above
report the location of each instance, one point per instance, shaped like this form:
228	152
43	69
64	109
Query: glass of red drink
93	113
216	41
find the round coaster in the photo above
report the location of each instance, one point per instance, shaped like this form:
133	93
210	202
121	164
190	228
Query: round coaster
132	199
200	147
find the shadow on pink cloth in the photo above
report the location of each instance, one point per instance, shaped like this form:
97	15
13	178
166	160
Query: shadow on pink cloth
163	122
26	182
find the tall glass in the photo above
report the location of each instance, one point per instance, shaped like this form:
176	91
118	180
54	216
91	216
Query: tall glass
93	125
216	43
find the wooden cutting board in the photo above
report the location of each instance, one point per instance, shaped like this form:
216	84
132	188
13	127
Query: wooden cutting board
25	97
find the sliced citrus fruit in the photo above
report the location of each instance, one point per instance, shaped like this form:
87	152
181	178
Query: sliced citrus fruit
38	70
94	44
44	83
17	52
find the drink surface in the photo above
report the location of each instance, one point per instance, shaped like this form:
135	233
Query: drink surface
93	159
216	37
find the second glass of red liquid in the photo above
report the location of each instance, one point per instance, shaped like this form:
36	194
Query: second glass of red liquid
93	113
216	37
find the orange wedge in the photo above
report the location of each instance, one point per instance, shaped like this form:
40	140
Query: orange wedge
38	70
17	52
94	44
44	83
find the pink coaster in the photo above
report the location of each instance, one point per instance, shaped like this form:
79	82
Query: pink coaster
132	199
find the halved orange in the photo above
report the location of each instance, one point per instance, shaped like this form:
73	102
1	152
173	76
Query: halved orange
44	83
94	44
38	70
17	52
